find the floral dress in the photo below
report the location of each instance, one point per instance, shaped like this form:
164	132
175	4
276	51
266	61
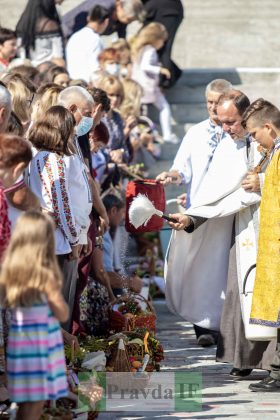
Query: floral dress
94	305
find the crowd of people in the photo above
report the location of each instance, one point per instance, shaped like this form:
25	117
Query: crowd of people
73	122
74	125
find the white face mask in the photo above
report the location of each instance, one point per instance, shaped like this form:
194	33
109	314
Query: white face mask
84	125
112	69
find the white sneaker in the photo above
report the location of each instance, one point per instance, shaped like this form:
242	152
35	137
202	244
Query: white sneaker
172	139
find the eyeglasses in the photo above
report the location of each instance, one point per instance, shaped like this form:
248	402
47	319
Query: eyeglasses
29	101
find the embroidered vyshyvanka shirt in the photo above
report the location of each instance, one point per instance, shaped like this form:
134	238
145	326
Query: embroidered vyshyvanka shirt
49	180
79	190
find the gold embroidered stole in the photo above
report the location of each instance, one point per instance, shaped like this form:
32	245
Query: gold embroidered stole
266	296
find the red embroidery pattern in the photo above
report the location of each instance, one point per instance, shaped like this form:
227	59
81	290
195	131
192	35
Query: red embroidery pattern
54	197
64	195
5	224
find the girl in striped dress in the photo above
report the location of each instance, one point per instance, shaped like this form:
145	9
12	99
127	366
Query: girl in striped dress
30	283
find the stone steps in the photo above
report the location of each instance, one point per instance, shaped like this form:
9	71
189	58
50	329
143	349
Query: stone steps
184	113
184	93
253	81
187	97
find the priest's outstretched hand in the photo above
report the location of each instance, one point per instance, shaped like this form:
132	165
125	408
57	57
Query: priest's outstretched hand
171	177
180	221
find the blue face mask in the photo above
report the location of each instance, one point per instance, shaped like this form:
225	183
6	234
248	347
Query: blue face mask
113	69
84	126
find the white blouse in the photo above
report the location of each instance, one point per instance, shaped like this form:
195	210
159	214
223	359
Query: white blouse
49	180
48	45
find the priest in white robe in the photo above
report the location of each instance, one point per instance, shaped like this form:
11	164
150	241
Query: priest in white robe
191	164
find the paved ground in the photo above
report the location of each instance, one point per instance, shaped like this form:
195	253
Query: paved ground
218	33
222	397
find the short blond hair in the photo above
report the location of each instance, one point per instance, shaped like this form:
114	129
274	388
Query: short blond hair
219	86
30	264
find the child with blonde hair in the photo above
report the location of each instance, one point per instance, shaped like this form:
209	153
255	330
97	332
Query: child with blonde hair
30	284
15	154
146	70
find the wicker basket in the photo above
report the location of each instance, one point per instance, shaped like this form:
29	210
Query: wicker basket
118	322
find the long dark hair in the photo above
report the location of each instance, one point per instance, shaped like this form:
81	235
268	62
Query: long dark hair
35	10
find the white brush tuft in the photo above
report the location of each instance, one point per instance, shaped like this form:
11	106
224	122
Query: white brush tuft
141	210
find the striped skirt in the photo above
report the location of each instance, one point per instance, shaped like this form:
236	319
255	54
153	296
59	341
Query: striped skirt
36	368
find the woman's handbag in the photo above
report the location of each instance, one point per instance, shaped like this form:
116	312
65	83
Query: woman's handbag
253	332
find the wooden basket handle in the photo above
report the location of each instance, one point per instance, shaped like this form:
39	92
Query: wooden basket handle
137	296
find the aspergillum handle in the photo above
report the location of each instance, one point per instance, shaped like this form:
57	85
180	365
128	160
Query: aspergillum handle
169	219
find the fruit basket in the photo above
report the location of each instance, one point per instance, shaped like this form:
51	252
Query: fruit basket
138	343
127	314
122	375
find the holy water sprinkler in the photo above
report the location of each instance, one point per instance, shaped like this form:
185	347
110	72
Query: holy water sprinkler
141	210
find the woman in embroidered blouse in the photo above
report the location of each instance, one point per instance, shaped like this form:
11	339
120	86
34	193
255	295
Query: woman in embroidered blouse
51	138
40	34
